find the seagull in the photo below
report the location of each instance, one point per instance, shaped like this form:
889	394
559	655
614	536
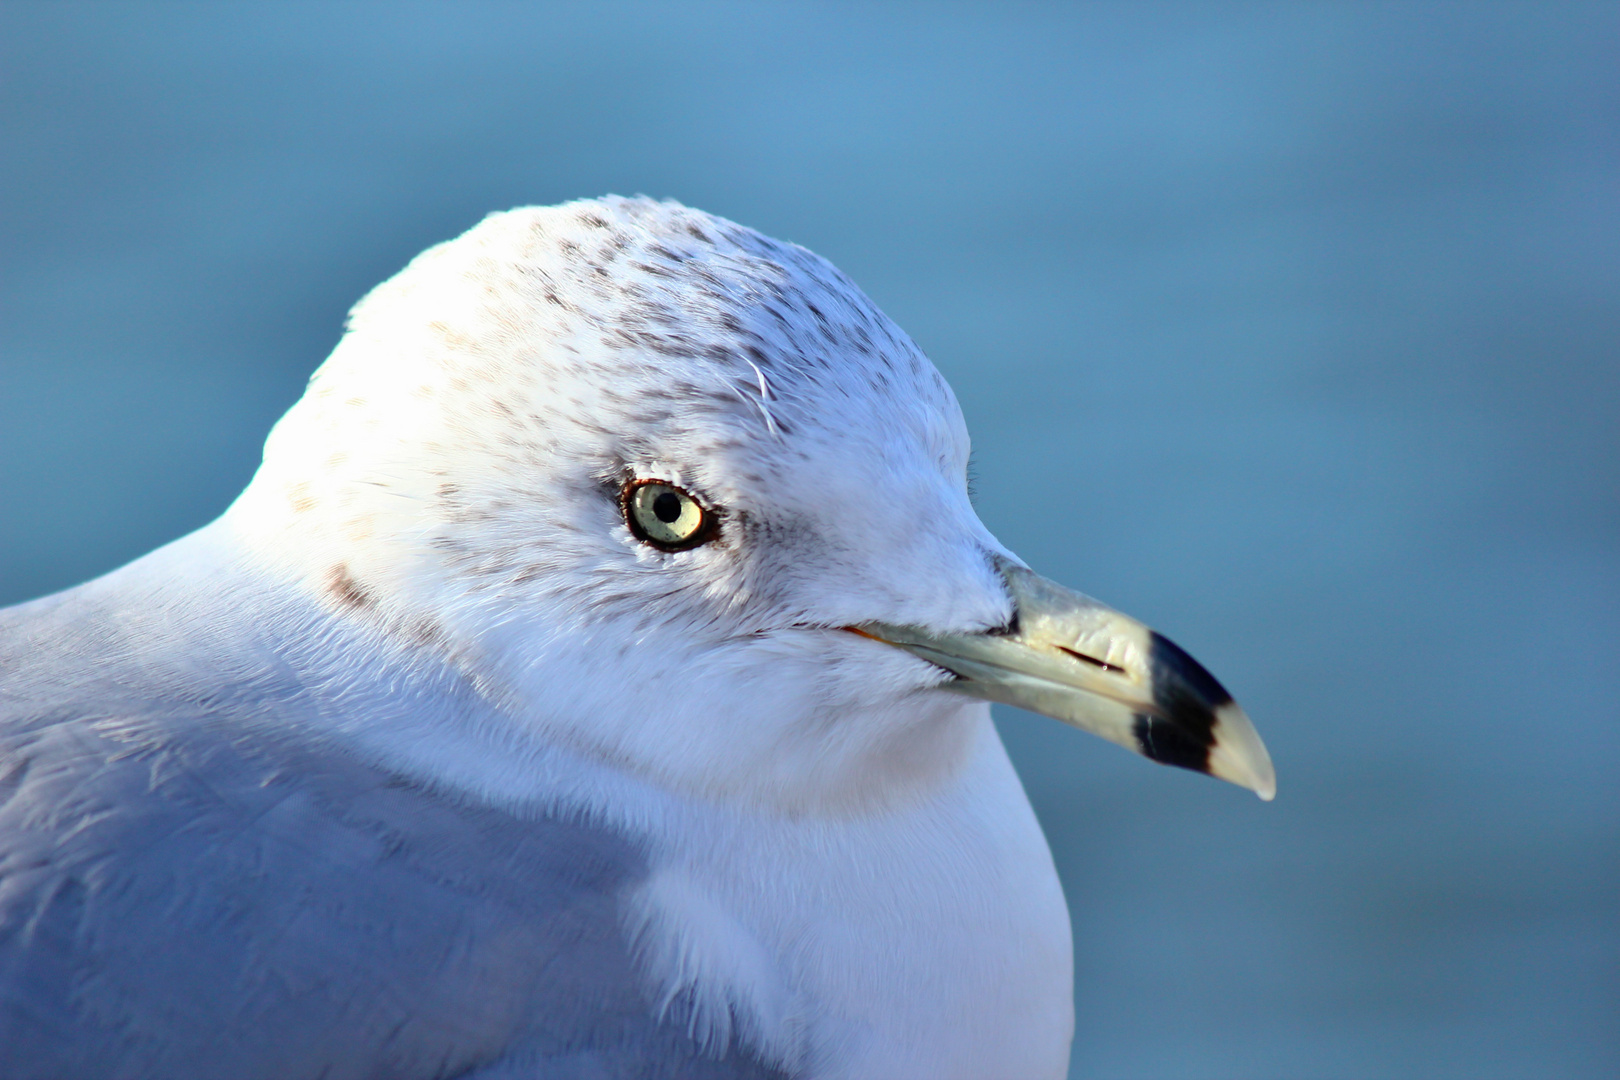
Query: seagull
593	681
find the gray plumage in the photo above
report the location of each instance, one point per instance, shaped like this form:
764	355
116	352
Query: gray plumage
188	892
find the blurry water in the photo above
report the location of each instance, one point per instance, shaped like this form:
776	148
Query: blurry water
1291	329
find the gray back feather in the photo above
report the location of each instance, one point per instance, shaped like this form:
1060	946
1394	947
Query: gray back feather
183	895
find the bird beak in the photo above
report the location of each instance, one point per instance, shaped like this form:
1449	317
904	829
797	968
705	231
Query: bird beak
1066	656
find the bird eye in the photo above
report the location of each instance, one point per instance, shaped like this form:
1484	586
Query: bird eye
664	516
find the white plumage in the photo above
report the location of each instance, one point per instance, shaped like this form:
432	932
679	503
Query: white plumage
808	859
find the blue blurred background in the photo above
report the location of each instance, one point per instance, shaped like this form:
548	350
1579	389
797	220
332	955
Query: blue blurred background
1292	329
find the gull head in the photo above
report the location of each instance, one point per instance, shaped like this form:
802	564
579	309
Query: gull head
680	497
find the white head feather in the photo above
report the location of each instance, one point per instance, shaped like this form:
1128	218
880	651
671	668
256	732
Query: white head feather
453	476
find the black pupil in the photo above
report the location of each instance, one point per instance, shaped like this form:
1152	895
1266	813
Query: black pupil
667	507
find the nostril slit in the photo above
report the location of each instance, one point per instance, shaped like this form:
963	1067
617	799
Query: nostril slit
1093	661
1009	629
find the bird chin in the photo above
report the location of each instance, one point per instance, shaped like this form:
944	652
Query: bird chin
871	760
